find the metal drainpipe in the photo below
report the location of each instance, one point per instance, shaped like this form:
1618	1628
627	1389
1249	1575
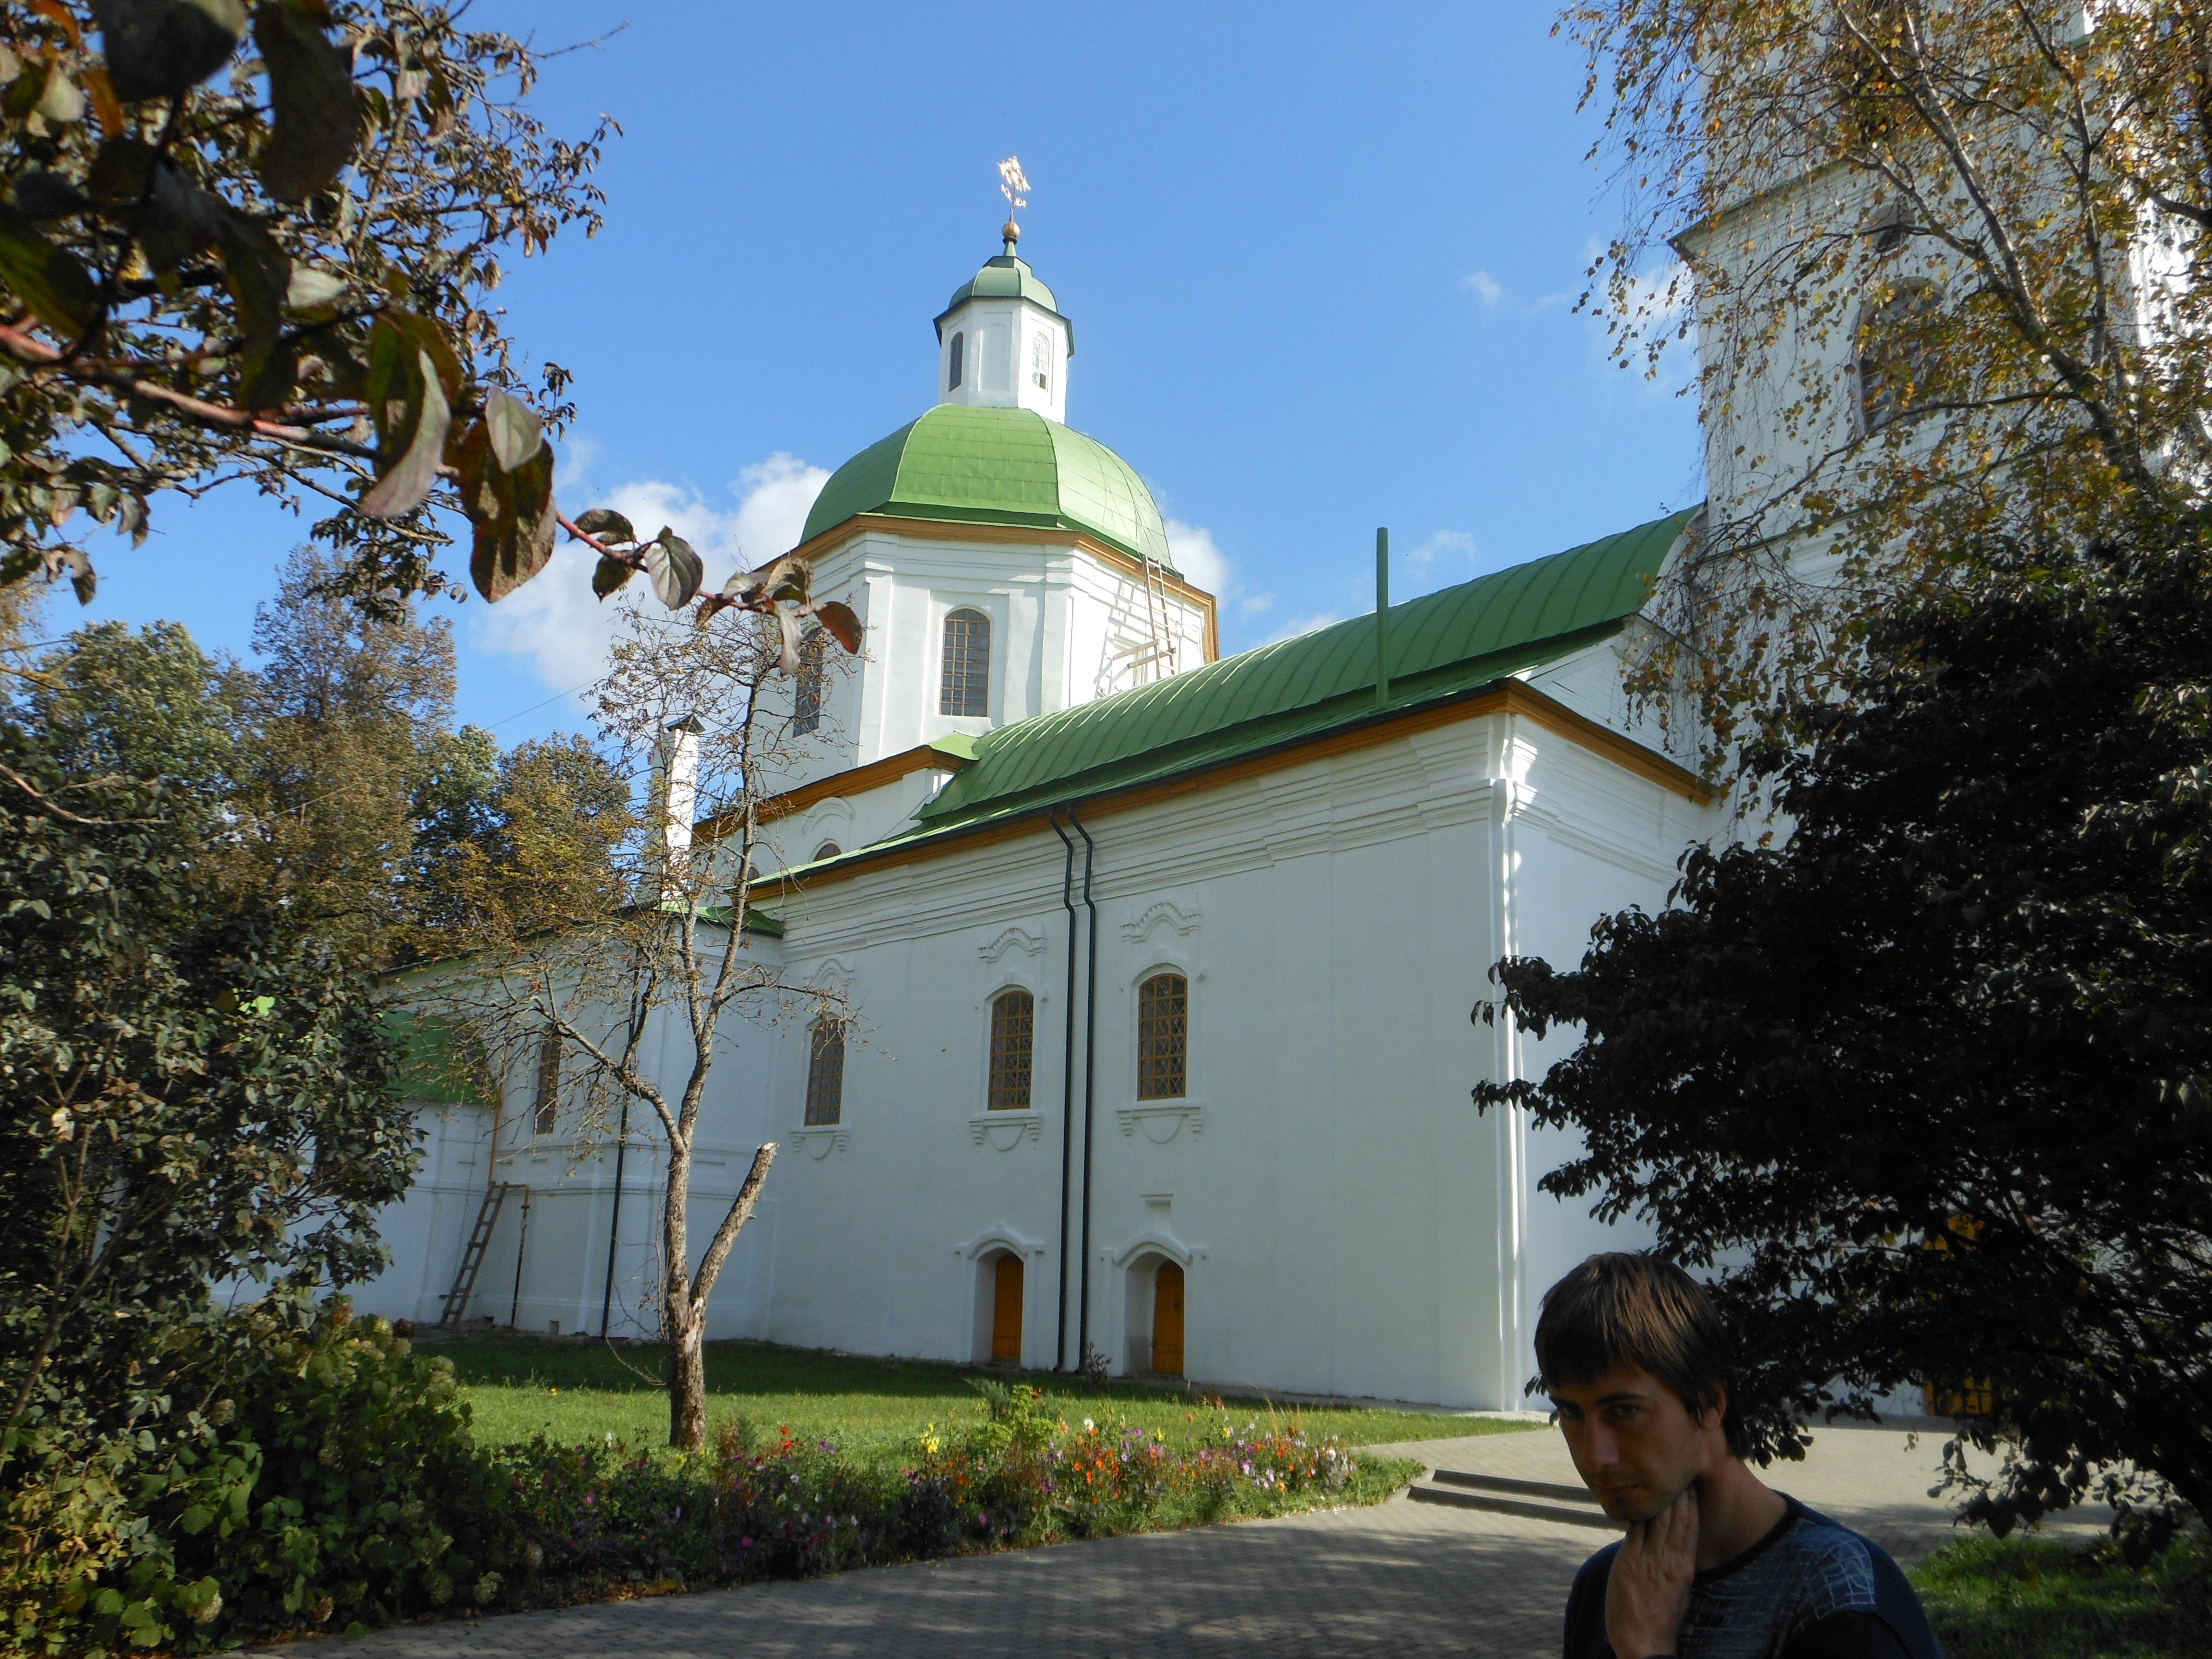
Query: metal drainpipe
515	1307
614	1222
1066	1088
1090	1073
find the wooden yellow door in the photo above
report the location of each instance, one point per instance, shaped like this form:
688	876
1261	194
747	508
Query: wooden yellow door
1167	1320
1007	1312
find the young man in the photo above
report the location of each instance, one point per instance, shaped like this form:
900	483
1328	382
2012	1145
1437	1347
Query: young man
1717	1564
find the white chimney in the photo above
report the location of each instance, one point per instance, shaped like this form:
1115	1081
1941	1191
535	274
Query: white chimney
675	800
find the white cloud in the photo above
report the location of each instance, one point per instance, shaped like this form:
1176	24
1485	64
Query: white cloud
1485	287
1449	555
1298	625
1199	557
557	622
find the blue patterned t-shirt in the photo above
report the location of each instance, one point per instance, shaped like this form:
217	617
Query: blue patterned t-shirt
1810	1589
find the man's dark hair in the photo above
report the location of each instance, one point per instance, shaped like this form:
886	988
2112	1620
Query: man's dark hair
1622	1309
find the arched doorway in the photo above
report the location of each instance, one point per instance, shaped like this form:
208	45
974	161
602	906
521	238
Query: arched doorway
1007	1312
1167	1320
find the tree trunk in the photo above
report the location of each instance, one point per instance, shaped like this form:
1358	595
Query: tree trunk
683	1316
687	1375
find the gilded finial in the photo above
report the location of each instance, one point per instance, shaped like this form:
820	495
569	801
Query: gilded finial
1013	184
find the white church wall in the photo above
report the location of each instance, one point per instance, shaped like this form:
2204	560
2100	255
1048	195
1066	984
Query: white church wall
425	1230
1325	1182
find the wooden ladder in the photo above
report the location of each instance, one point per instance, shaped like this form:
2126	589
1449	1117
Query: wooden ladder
465	1281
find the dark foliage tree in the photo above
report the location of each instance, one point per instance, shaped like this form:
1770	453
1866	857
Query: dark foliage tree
1923	1083
195	1091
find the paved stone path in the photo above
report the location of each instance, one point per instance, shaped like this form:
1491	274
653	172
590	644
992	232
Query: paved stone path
1397	1578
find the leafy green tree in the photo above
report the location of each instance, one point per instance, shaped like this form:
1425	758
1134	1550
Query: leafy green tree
1945	263
509	845
348	717
1925	1086
195	1091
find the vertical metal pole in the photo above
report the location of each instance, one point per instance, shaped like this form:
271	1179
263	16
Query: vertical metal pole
614	1222
1066	1088
1382	618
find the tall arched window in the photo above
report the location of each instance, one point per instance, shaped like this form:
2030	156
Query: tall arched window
1895	356
1041	363
966	687
806	701
825	1072
953	359
1013	1028
1163	1037
829	849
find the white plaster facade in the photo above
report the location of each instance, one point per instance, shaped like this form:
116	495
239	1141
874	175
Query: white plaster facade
1345	1221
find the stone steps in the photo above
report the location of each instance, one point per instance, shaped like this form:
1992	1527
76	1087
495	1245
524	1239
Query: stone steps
1532	1500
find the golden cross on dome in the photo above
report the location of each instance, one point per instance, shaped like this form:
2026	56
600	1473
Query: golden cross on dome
1013	184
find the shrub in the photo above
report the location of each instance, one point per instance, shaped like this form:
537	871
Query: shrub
335	1484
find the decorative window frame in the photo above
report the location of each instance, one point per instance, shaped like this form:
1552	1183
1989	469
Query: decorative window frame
1005	1130
1162	1120
992	629
828	820
993	604
818	1141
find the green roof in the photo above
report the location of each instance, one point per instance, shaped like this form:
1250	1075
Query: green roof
442	1060
1004	466
1006	278
1442	644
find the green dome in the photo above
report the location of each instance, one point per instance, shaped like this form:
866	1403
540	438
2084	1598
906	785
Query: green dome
1006	467
1006	278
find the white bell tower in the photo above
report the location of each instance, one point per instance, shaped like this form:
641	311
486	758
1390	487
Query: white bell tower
1001	342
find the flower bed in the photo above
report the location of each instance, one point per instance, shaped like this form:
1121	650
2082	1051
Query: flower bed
338	1488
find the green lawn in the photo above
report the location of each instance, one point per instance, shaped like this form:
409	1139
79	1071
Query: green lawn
2028	1599
570	1390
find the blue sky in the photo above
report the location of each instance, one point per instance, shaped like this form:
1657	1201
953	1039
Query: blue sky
1321	262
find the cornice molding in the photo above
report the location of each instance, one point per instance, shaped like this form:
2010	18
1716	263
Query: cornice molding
1510	696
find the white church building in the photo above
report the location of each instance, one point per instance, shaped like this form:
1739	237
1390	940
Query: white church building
1159	963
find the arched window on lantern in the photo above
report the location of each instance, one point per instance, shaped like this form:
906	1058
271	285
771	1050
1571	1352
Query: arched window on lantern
953	361
965	686
1895	356
1041	362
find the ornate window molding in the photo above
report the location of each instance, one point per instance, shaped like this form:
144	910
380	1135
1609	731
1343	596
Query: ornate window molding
1005	1130
1164	912
818	1141
1012	938
1162	1120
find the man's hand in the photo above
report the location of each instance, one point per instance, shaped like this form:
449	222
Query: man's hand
1649	1590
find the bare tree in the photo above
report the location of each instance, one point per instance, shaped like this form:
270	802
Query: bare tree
590	982
1948	264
